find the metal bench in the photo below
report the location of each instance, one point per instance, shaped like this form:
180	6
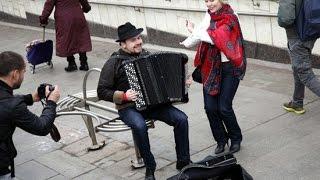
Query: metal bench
80	103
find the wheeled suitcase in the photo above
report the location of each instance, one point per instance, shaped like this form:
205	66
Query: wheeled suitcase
39	52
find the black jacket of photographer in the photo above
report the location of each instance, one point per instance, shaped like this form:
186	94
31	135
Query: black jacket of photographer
113	80
14	113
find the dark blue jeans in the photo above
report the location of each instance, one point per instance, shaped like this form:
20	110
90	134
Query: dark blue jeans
223	121
168	114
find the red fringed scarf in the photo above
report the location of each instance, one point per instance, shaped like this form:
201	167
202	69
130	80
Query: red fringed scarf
226	35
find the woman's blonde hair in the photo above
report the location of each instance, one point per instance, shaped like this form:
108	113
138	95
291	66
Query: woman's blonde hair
223	1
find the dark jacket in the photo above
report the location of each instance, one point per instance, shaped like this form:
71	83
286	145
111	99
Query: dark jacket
14	113
113	81
72	31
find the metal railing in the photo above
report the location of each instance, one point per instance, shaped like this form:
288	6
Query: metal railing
80	103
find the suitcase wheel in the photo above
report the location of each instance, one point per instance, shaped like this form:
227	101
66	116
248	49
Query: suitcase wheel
49	63
32	69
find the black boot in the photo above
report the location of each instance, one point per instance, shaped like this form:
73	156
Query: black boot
83	62
235	147
149	174
72	66
219	149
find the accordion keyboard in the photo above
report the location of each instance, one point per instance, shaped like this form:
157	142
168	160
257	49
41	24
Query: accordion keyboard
134	84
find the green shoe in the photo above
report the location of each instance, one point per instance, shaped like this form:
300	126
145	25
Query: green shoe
290	107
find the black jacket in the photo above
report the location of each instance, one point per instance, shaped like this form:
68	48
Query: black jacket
14	113
113	81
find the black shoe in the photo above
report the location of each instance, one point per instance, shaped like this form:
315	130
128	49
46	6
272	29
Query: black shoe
149	174
181	164
219	149
84	67
235	147
72	66
83	62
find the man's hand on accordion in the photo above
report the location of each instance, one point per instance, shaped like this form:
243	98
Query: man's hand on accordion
130	95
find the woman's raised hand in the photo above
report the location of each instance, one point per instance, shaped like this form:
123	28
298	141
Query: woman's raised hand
190	26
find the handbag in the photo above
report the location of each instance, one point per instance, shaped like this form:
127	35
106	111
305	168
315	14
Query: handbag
220	167
196	75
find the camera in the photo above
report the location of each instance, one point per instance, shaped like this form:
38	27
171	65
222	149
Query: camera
54	132
42	90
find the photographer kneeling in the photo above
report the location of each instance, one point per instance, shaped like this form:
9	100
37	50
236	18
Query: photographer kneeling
14	112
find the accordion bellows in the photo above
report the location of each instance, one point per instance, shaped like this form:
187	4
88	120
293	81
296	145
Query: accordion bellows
159	78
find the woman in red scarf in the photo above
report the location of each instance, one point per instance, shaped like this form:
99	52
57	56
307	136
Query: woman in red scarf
221	58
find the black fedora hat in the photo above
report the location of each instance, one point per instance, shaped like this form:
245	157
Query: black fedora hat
127	31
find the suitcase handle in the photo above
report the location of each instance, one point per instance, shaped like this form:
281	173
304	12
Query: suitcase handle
44	33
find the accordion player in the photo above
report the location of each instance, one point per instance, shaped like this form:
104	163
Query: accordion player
158	78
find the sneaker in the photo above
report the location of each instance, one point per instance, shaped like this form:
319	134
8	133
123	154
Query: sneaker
290	107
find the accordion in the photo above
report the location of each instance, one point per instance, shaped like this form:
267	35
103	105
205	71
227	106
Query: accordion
158	78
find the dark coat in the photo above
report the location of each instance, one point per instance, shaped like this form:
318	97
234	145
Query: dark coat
72	32
14	113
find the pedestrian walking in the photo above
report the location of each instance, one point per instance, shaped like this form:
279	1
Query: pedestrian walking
72	32
300	55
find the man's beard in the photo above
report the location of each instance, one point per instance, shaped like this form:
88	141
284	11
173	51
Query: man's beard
137	49
17	85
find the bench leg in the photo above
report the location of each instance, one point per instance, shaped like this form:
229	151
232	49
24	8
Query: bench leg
89	124
138	161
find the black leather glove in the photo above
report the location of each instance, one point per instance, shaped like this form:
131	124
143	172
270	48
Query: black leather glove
43	21
86	8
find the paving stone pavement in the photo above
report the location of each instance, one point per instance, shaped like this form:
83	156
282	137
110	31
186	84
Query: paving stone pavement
276	145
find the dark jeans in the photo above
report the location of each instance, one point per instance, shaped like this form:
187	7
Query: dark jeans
300	55
168	114
223	121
